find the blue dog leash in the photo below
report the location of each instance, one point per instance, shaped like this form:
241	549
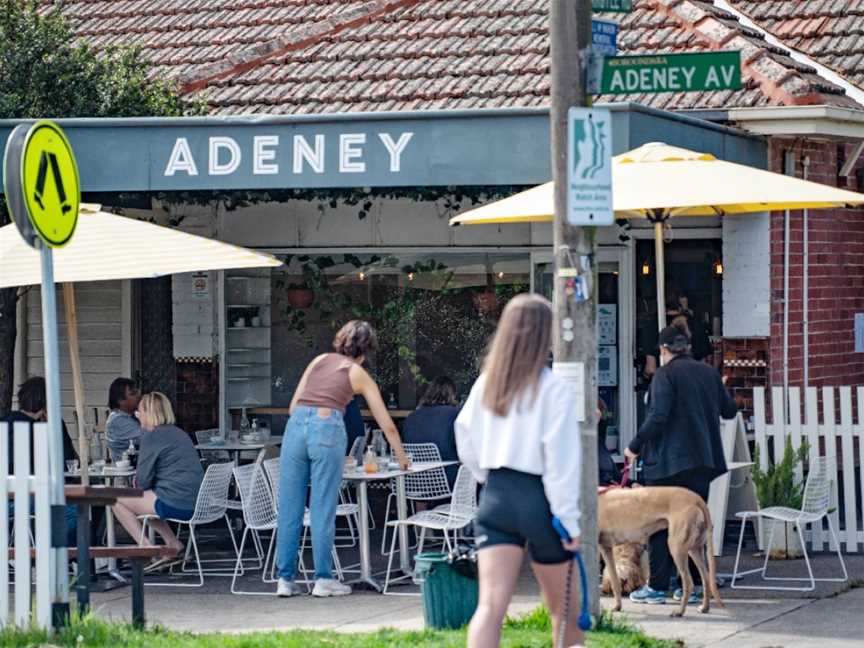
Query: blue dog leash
585	615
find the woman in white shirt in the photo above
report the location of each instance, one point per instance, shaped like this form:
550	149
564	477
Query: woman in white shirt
518	434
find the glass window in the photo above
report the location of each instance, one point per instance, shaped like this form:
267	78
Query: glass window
433	312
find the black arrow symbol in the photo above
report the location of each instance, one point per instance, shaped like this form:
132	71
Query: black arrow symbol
42	176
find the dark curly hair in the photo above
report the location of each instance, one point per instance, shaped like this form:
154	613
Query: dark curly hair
441	391
357	338
32	395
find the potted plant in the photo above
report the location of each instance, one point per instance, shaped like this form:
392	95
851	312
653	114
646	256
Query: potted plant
778	486
300	295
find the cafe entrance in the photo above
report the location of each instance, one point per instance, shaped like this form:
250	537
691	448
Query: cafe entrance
615	331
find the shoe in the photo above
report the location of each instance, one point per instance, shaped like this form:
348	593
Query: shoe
648	596
695	597
287	589
330	587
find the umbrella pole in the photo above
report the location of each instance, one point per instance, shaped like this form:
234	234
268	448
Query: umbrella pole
660	263
77	383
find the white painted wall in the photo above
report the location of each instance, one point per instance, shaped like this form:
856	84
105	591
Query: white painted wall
194	321
746	276
101	341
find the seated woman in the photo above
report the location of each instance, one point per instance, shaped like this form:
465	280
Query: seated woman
169	472
432	422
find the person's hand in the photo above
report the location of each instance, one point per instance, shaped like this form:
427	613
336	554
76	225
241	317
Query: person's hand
725	379
573	545
629	455
404	461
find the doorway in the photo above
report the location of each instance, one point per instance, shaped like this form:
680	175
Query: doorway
615	331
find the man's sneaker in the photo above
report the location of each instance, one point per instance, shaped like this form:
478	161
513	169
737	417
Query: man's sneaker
287	589
330	587
695	597
648	596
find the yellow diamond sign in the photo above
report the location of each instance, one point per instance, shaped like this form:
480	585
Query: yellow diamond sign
44	194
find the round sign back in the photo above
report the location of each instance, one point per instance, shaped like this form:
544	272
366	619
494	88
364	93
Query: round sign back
49	183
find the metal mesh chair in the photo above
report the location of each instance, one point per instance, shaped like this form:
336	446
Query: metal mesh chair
463	508
427	486
209	507
259	514
272	469
817	500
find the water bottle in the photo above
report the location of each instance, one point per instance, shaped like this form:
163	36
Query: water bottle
255	429
244	423
379	444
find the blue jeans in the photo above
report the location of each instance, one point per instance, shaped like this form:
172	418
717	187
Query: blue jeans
313	447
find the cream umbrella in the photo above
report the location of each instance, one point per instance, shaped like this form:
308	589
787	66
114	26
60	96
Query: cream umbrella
107	247
658	182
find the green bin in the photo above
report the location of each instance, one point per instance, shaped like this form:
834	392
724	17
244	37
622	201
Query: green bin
449	598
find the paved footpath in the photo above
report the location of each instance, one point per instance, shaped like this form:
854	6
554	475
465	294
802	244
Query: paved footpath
836	622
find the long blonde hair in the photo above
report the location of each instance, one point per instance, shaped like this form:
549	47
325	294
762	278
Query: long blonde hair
518	352
155	410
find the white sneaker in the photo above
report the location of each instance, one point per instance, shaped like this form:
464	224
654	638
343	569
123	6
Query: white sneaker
330	587
287	589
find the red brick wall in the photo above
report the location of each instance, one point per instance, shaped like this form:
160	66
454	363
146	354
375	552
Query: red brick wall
197	395
836	283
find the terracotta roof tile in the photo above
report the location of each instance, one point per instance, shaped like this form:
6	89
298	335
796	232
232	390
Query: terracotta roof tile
317	56
829	31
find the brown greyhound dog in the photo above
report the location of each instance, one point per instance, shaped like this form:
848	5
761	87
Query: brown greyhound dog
633	514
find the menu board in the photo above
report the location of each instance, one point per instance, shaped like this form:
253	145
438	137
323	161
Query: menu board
607	324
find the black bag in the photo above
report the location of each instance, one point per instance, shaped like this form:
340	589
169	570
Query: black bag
463	560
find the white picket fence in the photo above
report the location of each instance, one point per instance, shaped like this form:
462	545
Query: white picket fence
842	441
22	489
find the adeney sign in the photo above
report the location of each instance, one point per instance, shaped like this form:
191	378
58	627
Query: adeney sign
667	73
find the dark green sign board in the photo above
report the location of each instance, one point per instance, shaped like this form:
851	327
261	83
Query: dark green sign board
622	6
668	73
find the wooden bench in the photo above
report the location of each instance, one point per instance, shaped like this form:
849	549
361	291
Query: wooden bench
137	556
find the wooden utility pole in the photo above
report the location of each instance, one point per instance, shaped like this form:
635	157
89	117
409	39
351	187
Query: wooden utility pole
575	338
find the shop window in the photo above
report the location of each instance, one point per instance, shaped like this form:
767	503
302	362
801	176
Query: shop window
434	313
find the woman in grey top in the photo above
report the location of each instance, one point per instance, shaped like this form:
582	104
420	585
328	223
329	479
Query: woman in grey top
169	472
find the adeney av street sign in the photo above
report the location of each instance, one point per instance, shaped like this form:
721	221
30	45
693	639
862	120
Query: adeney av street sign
666	73
623	6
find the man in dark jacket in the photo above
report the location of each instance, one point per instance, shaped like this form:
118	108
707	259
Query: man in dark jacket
680	443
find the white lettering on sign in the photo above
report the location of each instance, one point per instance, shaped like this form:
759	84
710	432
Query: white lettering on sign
713	78
395	149
181	159
659	79
305	153
350	154
218	144
262	155
226	154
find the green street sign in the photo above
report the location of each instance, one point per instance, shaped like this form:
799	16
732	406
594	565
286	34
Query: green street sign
621	6
667	73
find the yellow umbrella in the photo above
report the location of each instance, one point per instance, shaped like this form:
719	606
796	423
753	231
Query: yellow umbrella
657	182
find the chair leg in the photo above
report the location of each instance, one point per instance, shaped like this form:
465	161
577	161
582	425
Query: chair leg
738	553
806	557
390	560
839	553
386	520
238	564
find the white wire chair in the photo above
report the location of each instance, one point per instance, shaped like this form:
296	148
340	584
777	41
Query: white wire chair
426	486
462	510
209	507
817	500
273	472
259	514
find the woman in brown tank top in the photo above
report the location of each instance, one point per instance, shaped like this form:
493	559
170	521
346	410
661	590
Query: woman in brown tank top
313	449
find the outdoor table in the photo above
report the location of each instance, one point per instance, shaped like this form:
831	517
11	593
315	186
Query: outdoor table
83	498
108	474
236	447
362	480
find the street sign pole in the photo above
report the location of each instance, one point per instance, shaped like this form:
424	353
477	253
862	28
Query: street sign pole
574	337
59	589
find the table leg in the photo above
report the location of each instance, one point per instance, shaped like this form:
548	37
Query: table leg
365	557
111	534
82	584
138	593
402	512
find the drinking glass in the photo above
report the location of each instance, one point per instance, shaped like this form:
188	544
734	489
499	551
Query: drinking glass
72	465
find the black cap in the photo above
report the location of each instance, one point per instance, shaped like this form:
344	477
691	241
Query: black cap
673	336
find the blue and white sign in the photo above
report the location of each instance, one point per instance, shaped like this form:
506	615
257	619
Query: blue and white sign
604	37
589	167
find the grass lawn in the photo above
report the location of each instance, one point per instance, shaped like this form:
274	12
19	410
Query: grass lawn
529	631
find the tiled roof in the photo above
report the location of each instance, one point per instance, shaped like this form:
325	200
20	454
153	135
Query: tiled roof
319	56
829	31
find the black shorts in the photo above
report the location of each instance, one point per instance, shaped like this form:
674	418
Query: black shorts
514	511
